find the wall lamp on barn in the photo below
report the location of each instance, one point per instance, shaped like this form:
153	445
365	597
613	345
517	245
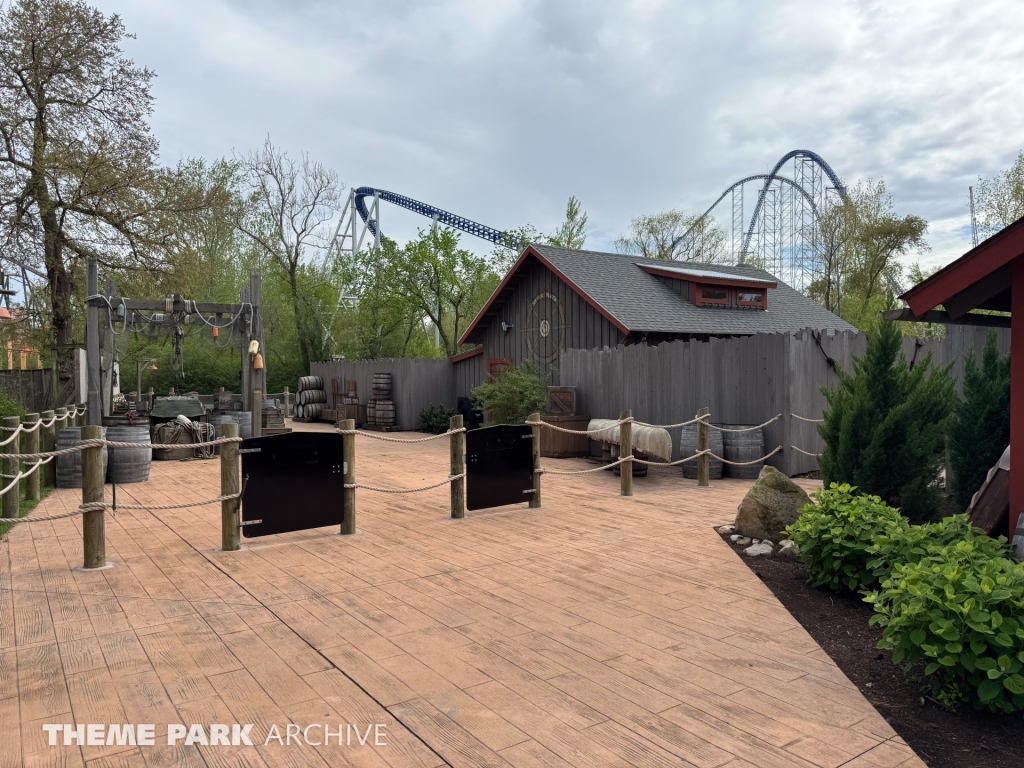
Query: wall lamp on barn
506	327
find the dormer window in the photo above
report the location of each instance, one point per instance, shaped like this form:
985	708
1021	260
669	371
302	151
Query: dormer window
711	288
710	295
751	298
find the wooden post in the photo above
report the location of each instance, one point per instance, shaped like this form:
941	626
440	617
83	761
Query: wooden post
32	446
82	418
348	456
257	413
626	451
288	404
229	483
535	496
458	448
47	442
704	462
92	344
12	499
94	541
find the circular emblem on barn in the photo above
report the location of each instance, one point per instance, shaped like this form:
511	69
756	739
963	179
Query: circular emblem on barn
545	328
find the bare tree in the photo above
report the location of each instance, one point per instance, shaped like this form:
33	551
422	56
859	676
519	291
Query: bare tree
78	171
296	200
675	235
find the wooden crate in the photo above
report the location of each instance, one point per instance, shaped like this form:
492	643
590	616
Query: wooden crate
559	445
561	401
353	411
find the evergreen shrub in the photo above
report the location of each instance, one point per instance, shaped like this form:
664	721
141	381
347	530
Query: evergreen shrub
883	426
980	428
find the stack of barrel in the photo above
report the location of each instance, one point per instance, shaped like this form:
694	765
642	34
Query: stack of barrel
380	410
310	400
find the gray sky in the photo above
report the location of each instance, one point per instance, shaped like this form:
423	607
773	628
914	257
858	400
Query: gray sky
498	110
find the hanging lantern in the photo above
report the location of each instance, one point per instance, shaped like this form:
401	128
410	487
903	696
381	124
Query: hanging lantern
216	332
257	362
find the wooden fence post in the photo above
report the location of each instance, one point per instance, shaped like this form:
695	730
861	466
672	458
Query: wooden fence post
535	496
47	442
457	449
12	499
348	455
32	446
80	414
94	541
229	483
625	452
257	413
704	462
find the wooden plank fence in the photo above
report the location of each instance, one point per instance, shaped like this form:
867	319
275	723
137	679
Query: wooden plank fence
742	380
417	382
30	387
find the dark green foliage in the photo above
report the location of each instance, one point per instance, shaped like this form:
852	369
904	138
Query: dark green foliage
513	395
980	428
959	614
436	419
883	425
835	536
909	544
9	406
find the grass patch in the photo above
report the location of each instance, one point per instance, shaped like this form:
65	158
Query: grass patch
25	506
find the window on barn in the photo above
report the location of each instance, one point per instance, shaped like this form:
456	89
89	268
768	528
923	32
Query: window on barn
712	295
749	298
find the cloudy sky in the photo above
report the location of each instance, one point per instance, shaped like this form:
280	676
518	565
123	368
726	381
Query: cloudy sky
498	110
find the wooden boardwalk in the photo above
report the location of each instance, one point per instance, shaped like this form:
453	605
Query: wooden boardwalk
593	631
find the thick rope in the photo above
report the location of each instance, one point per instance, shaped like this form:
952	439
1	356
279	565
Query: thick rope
811	421
100	506
600	431
602	468
449	479
99	443
748	429
697	455
805	453
673	426
745	463
399	439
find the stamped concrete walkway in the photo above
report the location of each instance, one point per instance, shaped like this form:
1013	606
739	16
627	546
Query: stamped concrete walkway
594	631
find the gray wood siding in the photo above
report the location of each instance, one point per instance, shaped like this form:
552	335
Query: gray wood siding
417	382
742	380
575	324
469	373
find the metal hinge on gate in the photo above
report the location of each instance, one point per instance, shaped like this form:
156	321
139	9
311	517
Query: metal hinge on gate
249	522
532	490
249	450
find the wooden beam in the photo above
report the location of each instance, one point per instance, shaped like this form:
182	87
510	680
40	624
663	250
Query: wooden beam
976	294
943	318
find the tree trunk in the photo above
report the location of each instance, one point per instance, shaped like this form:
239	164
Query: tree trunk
60	297
300	325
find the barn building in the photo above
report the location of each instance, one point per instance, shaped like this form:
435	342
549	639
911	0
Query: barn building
554	299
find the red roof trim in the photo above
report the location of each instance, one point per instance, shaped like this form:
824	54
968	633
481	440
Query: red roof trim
466	355
531	251
977	263
738	281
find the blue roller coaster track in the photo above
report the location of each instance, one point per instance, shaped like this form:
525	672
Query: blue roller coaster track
440	216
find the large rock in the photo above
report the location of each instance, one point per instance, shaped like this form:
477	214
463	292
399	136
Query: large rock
770	505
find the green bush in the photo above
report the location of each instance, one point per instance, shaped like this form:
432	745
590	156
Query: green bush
512	395
835	536
980	428
883	425
959	614
909	544
436	419
9	406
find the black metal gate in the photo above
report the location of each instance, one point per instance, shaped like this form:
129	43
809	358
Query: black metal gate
292	482
499	466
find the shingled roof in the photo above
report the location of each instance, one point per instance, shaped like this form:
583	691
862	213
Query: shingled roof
639	302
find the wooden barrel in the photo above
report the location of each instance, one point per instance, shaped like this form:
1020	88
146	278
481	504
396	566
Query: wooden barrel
688	447
128	465
69	465
384	413
382	386
244	421
310	396
371	413
743	446
310	382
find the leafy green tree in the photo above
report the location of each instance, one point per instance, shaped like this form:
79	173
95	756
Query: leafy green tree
79	172
661	236
980	428
1000	199
883	424
571	233
512	394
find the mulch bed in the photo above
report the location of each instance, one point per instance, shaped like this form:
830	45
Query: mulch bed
839	624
